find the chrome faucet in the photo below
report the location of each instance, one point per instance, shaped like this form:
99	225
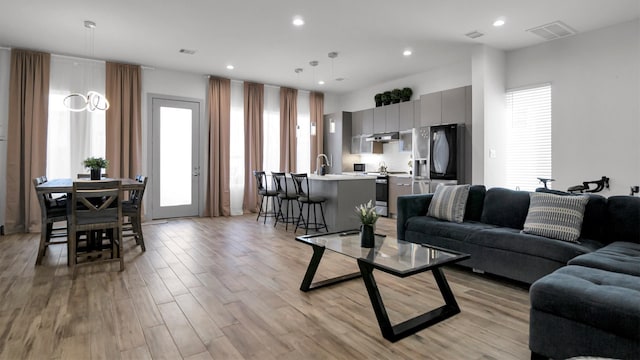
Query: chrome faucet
325	162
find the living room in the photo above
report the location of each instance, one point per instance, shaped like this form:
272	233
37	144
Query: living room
595	79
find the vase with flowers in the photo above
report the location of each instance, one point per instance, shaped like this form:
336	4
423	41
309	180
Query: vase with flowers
368	217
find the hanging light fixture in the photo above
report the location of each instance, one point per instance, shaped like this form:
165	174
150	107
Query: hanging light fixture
94	100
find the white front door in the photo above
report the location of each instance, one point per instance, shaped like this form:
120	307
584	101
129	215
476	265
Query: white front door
175	161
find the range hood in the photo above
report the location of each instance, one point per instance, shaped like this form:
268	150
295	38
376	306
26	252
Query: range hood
384	137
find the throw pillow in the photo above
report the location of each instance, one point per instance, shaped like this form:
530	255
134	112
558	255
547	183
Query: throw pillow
449	202
555	216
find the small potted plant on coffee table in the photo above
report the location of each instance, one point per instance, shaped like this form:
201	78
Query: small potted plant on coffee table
95	164
368	217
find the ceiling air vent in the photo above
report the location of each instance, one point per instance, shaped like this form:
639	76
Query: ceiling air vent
187	51
552	31
474	34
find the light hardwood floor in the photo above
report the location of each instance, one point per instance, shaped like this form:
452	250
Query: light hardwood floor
228	288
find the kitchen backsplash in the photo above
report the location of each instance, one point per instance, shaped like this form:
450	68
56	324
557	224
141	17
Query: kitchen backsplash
395	160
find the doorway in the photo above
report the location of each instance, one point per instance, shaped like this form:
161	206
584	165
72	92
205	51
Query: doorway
175	157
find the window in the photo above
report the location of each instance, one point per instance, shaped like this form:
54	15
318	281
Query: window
271	130
73	136
529	137
236	148
303	133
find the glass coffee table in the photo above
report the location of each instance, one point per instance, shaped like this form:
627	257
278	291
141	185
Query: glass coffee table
396	257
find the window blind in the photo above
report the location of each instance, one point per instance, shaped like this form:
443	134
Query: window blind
529	136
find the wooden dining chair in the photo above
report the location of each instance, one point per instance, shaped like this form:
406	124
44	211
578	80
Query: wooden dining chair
95	219
132	209
52	210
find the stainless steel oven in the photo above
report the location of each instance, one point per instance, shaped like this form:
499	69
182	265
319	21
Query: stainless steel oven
382	195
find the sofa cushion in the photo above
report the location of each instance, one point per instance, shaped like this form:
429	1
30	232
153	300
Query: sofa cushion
555	216
513	240
449	202
504	207
623	218
475	202
430	226
602	299
621	257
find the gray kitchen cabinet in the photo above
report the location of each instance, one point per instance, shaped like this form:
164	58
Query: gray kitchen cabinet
406	120
355	143
431	109
369	147
393	117
398	186
337	143
357	118
379	119
367	122
454	106
417	106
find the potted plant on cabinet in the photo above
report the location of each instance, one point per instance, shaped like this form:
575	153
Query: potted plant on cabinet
378	99
406	94
95	164
386	97
396	96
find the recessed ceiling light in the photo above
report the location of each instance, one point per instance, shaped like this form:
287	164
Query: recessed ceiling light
407	52
321	82
499	22
230	67
298	21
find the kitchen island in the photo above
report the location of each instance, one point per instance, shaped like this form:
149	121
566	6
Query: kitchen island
343	193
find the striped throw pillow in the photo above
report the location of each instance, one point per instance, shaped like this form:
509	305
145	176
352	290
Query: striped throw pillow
449	202
555	216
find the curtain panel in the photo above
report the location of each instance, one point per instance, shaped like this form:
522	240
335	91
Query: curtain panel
218	198
288	125
124	120
253	133
316	104
26	137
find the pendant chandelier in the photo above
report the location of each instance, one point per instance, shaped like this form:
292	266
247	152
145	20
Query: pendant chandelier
93	100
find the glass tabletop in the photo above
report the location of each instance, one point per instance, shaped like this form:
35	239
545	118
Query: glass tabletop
394	256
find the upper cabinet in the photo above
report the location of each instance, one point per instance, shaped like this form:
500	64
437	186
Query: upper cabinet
393	117
356	122
338	142
446	107
454	106
379	119
431	109
407	110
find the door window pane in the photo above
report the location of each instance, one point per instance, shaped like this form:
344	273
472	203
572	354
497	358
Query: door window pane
175	156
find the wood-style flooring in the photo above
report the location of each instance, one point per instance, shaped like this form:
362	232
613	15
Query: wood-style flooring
228	288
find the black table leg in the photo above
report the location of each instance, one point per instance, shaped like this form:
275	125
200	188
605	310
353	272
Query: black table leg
307	284
394	333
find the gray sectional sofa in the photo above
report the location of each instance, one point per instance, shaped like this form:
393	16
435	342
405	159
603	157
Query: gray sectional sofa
491	233
585	298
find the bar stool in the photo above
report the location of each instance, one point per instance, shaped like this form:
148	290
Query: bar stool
301	183
261	180
281	187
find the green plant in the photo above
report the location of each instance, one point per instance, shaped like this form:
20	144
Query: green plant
377	98
367	213
396	95
406	94
95	163
386	97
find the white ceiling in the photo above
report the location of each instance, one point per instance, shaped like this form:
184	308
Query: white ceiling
258	38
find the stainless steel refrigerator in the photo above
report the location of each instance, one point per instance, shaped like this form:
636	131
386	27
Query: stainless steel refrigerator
438	154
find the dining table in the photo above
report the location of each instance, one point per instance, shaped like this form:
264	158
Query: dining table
65	185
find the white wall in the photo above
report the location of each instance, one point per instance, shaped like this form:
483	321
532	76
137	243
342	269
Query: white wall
494	141
437	79
595	81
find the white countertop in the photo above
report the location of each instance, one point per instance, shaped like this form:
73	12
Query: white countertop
335	177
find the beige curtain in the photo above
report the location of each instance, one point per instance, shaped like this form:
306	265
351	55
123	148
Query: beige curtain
253	110
288	124
26	137
218	201
124	120
316	104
